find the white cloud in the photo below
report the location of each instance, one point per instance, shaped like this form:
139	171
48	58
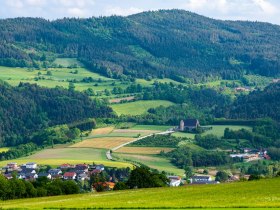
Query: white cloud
76	12
266	6
122	11
14	3
36	3
261	10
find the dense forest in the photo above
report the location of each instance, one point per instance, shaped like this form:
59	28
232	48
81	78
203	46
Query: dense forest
29	108
258	104
168	43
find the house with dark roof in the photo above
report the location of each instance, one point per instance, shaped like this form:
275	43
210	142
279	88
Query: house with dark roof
81	167
189	124
55	172
42	174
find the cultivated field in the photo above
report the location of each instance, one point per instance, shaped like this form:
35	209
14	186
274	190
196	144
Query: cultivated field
254	195
59	156
139	107
102	131
102	143
143	150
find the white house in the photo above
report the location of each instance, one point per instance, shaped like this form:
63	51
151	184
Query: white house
200	179
69	176
31	165
175	181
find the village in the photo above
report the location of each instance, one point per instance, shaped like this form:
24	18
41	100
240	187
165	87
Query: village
31	171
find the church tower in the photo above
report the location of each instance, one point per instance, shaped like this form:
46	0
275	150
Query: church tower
182	125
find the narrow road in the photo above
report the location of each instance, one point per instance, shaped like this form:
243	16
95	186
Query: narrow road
108	153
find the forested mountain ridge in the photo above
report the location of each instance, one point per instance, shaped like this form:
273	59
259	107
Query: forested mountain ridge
151	44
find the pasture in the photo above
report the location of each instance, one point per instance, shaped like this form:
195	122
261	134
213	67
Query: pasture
4	149
255	195
143	150
59	156
139	107
102	143
58	77
155	162
217	130
102	131
151	127
65	62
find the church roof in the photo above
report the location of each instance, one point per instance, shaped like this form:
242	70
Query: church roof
191	122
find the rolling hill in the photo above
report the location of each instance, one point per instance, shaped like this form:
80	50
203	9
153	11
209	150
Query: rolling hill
168	43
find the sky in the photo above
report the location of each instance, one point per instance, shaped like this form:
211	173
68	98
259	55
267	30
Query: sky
254	10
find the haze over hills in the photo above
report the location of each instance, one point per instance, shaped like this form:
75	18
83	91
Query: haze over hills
166	43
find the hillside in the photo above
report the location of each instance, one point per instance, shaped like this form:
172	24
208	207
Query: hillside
260	194
166	43
29	108
258	104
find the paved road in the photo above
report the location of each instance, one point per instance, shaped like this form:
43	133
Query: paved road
108	153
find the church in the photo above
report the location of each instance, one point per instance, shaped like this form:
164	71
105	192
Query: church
189	125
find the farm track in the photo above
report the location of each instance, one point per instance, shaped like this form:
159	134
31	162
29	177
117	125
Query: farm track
108	153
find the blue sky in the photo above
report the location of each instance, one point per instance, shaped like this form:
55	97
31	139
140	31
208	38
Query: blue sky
255	10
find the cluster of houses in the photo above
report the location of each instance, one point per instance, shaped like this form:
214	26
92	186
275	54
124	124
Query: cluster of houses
251	155
30	171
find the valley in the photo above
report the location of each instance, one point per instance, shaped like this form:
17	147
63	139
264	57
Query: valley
162	109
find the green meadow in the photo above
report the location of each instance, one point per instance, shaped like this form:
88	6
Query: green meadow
4	149
58	156
152	161
59	77
247	195
217	130
139	107
151	127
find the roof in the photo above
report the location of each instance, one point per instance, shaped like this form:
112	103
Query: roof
31	163
191	122
111	185
200	177
69	174
43	174
174	177
55	171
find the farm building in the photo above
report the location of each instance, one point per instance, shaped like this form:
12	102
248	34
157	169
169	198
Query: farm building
189	125
200	179
175	181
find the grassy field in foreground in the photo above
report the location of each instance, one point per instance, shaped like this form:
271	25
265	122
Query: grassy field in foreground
138	107
59	156
260	194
